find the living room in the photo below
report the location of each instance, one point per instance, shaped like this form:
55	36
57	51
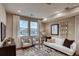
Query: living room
39	29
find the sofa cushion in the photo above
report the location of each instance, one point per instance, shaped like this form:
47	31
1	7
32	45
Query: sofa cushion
26	44
51	40
67	43
59	41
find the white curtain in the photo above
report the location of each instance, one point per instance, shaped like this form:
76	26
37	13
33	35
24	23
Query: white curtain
15	30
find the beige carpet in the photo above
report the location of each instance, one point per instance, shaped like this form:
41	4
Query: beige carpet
35	51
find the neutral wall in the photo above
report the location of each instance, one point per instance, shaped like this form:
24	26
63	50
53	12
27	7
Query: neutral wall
47	28
77	32
9	25
71	27
2	15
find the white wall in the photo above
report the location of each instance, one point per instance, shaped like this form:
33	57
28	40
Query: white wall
2	15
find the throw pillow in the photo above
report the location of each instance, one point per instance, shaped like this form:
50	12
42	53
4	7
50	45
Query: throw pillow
47	38
26	40
68	43
51	40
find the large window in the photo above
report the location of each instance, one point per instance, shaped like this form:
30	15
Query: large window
23	28
28	28
33	28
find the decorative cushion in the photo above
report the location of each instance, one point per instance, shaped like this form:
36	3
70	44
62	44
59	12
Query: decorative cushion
59	41
68	43
26	40
47	38
51	40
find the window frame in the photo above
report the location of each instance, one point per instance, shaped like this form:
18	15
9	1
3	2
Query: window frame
37	28
56	29
29	21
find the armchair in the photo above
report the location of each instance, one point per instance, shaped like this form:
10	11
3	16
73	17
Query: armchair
26	42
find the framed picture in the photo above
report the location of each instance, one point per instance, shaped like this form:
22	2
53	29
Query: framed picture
2	31
55	29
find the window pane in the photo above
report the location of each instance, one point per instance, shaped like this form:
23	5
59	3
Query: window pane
54	29
23	28
33	28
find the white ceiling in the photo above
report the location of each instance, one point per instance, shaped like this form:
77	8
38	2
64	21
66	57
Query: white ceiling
40	10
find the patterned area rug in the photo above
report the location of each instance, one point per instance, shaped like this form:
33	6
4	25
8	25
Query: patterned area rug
36	51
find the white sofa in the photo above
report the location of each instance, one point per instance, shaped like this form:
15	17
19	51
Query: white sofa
58	45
